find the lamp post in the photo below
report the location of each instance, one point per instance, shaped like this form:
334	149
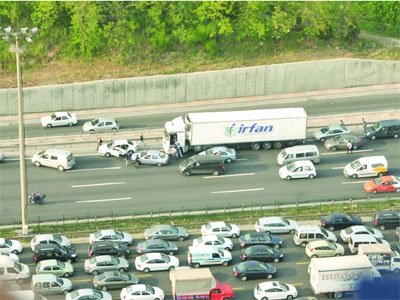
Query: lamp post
28	34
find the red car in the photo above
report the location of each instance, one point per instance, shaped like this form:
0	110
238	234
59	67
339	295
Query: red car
383	184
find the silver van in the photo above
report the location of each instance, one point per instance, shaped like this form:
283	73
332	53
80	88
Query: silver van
295	153
54	158
13	270
307	233
50	284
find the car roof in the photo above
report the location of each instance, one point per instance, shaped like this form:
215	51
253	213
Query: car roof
103	258
47	262
153	255
271	219
154	241
44	236
268	284
255	234
318	242
218	224
106	119
163	226
107	231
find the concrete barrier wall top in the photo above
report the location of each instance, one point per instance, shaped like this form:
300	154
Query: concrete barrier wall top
178	88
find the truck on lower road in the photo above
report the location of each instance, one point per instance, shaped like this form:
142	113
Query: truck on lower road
337	276
381	256
255	129
190	284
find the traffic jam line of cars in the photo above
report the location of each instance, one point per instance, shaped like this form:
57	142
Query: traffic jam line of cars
109	254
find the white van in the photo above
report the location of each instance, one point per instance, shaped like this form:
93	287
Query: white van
307	233
298	169
370	166
295	153
13	270
54	158
50	284
208	255
356	240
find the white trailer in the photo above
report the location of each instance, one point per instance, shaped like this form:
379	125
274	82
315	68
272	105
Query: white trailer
256	129
336	276
381	256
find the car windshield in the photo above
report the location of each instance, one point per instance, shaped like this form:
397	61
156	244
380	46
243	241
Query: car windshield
378	181
325	129
53	116
60	281
324	232
119	234
150	289
57	238
331	245
348	230
165	257
98	294
220	239
162	155
95	122
61	264
101	276
97	235
355	164
144	258
228	226
8	242
291	166
124	276
115	260
283	286
17	266
286	221
375	127
221	253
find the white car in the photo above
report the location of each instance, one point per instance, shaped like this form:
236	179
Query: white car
117	148
274	290
12	255
10	246
61	118
276	225
298	169
101	124
214	240
156	262
359	229
222	229
110	235
2	156
86	294
142	292
58	239
227	154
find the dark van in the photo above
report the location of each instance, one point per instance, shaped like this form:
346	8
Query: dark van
386	219
202	164
383	129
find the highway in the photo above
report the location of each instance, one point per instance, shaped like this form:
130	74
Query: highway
292	270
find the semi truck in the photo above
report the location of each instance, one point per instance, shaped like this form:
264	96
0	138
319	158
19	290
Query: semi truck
337	276
190	284
381	256
255	129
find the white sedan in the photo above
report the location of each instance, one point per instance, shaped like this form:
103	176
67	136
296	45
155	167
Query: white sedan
118	148
156	262
10	246
359	229
110	235
214	240
227	154
221	229
141	292
85	294
274	290
61	118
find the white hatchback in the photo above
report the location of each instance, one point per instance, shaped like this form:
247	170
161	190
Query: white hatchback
156	262
274	290
220	229
117	148
214	240
298	169
61	118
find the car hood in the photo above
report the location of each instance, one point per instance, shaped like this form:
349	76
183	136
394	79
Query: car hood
331	236
87	126
293	224
276	239
318	134
46	119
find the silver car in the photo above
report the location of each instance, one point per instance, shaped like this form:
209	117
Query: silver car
103	263
101	124
166	232
330	132
113	280
227	154
151	157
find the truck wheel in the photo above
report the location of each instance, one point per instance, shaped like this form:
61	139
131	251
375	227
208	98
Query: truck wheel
225	263
187	173
338	295
244	278
197	265
278	145
267	145
215	173
396	136
255	146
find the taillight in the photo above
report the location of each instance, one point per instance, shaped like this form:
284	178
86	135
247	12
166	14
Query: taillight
95	283
242	244
236	273
36	258
311	249
190	258
376	222
90	254
223	167
140	250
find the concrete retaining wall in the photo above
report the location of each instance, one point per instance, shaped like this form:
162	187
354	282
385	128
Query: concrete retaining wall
167	89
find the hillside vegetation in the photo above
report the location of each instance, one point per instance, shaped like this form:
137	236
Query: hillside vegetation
85	41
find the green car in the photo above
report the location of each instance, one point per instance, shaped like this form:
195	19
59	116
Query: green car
54	266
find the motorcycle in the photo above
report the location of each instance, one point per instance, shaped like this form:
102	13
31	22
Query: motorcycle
36	198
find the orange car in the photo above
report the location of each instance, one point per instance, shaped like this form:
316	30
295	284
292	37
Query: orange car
383	184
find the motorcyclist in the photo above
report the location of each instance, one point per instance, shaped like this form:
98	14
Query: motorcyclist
35	197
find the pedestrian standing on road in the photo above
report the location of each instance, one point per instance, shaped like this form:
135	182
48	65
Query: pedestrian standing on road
141	143
137	162
364	123
99	141
349	148
128	157
341	123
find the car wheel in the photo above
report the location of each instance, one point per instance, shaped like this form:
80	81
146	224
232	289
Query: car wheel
15	251
334	149
304	244
269	276
338	254
215	173
234	235
291	231
95	272
380	174
331	228
65	292
355	176
146	270
225	263
276	260
276	246
264	298
91	130
107	154
159	164
113	129
268	232
181	238
70	124
37	164
374	191
288	177
227	249
60	168
49	126
197	265
228	160
187	173
66	275
355	147
338	295
130	152
20	280
382	227
396	136
104	288
289	297
171	253
322	139
243	278
313	256
311	176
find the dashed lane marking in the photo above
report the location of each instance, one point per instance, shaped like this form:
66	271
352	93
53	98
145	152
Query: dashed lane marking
97	184
238	191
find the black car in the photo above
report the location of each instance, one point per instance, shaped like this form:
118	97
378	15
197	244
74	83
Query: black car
260	238
157	245
340	221
54	251
108	248
253	269
386	219
261	253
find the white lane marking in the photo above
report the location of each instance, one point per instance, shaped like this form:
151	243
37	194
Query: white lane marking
104	200
344	152
238	191
233	175
95	169
337	168
97	184
352	182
